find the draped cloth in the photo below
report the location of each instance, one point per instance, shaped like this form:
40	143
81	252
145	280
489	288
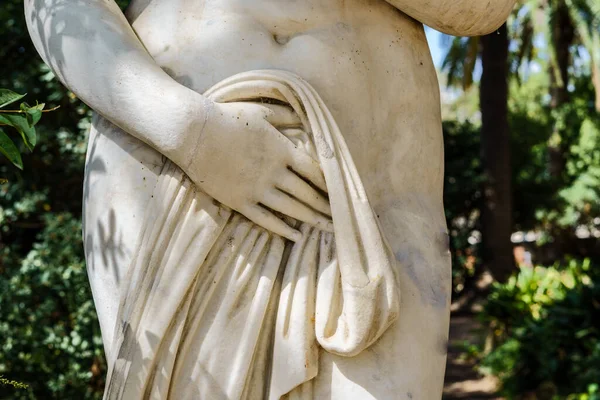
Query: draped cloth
215	307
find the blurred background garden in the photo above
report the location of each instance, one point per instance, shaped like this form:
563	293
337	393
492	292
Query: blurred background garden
521	110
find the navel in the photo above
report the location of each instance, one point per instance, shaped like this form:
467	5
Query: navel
281	39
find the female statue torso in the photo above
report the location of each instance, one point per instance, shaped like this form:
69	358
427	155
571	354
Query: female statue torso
372	67
370	64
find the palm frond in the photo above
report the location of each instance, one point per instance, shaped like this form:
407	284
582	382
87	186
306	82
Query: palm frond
586	16
459	62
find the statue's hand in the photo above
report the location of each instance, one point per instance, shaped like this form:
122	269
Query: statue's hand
244	162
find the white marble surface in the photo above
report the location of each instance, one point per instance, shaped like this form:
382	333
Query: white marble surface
370	64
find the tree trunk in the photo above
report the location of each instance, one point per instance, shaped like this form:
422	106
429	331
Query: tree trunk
496	213
563	34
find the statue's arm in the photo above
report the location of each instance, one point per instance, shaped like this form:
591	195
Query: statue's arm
458	17
93	50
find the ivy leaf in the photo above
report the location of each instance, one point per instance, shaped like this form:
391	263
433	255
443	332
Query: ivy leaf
20	123
8	148
8	96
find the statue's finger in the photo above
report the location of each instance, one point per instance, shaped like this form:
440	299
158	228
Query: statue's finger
265	218
307	168
283	203
293	185
281	116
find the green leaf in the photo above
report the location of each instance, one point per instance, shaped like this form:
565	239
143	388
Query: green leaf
20	123
33	114
36	113
7	97
8	148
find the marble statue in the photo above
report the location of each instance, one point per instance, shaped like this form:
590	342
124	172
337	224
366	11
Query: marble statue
263	210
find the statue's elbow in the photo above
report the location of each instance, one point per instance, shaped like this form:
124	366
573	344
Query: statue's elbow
476	22
475	29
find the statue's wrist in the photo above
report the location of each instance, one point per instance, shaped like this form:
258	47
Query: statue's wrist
197	130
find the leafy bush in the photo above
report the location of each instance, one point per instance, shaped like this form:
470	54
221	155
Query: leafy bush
545	325
22	120
51	339
49	336
592	393
462	197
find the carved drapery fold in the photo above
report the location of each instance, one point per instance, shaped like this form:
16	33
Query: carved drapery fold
212	301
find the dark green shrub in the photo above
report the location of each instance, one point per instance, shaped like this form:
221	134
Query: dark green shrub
545	324
462	194
50	335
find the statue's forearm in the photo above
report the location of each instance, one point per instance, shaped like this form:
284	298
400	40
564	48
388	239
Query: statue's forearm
458	17
93	50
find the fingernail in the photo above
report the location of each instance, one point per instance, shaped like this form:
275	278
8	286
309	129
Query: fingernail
297	236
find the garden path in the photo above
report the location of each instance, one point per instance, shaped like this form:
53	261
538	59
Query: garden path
462	381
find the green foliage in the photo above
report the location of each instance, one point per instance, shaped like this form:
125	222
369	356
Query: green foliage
48	328
545	322
531	125
592	393
582	197
49	334
533	189
460	60
541	202
462	196
22	120
10	151
546	326
15	384
52	340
